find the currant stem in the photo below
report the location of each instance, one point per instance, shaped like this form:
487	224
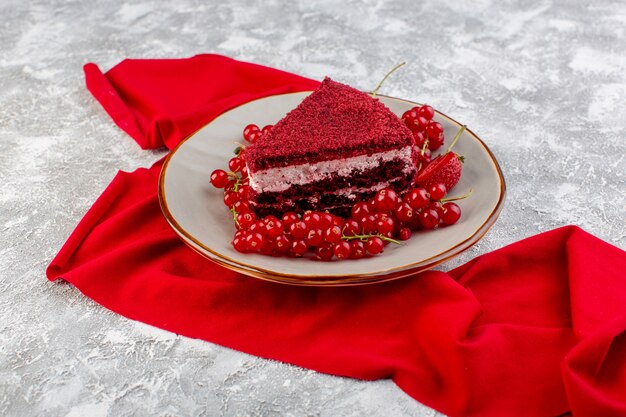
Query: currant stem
373	93
445	200
237	179
456	138
367	236
232	210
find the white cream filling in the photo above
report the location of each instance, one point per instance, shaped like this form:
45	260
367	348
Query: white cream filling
282	178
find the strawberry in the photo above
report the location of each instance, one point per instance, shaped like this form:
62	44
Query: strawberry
445	169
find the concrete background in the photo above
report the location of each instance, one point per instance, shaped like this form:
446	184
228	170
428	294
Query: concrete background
542	82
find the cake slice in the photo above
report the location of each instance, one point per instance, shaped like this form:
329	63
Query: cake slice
339	146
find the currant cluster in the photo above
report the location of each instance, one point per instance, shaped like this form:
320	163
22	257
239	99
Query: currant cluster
321	233
428	134
235	182
252	132
385	218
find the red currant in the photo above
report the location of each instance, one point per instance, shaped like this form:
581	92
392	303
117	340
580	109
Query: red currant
404	233
312	219
298	248
248	130
326	220
282	244
437	191
342	250
382	216
357	249
268	247
414	223
451	213
360	209
245	220
351	228
374	245
254	136
254	242
385	224
241	207
426	111
437	206
368	223
230	198
267	129
219	178
236	164
434	130
315	237
409	116
324	252
404	212
421	124
435	143
417	198
298	230
240	244
289	218
429	218
333	234
268	219
385	200
338	221
419	139
244	192
258	227
274	228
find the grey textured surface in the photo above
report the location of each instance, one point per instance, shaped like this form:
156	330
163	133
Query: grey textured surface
543	83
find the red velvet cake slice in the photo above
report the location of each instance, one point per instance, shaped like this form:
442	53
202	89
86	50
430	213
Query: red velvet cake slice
337	147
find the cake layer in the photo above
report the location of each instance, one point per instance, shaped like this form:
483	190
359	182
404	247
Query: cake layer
356	180
335	121
339	146
280	179
337	202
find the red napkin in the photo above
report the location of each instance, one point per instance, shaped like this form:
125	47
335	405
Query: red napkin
537	328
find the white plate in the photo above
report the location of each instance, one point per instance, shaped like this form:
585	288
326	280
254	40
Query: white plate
196	212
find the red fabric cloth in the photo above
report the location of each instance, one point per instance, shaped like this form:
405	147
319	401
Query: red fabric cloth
537	328
160	102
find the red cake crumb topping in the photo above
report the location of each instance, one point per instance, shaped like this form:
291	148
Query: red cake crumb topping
335	121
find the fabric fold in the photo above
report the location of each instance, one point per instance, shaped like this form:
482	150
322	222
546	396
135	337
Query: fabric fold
160	102
100	87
